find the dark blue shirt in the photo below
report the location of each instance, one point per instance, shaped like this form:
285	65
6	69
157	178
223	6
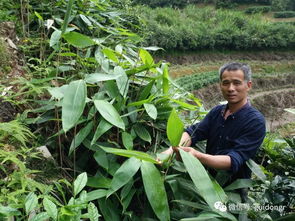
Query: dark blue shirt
239	136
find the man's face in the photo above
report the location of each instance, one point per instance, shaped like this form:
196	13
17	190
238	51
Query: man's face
233	86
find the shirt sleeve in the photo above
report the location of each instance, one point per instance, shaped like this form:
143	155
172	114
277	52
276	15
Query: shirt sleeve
200	131
246	146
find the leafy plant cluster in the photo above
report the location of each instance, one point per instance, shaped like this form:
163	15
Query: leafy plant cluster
276	187
257	9
284	14
102	106
193	29
198	81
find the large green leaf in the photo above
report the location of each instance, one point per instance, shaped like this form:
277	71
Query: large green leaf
96	194
124	174
142	132
110	54
80	183
31	202
109	113
200	178
174	129
127	140
256	169
130	153
151	110
155	190
73	104
239	183
40	217
81	135
165	79
78	40
122	80
92	212
146	91
54	39
50	208
98	77
146	57
102	127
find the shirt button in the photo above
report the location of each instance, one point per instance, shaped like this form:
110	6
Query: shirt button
219	136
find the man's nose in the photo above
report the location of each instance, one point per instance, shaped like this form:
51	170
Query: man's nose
231	87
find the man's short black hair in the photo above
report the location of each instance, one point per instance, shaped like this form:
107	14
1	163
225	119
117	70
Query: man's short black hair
234	66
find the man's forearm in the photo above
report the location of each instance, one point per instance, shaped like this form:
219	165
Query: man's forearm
222	162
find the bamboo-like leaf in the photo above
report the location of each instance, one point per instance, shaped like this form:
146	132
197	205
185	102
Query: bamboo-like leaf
110	54
142	132
98	77
130	153
80	183
165	79
109	113
103	127
146	57
78	40
155	190
67	16
31	202
96	194
200	178
174	129
122	81
101	158
54	39
256	169
185	105
40	217
93	212
151	110
127	140
124	174
50	208
73	104
146	90
239	183
81	135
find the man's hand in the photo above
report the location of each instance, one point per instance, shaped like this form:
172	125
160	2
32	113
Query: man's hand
192	151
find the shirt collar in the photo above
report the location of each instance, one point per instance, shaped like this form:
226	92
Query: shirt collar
225	107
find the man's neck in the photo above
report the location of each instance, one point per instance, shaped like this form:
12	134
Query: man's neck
232	108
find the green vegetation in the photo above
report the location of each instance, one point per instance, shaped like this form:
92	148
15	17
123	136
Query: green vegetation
257	9
105	108
196	28
284	14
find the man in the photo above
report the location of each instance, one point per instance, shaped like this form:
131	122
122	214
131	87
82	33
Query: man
233	131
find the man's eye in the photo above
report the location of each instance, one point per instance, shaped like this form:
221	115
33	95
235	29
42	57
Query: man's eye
237	82
225	83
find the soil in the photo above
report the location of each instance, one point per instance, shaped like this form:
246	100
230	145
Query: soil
8	34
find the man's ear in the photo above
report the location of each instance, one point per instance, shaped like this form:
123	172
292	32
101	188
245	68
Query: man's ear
249	84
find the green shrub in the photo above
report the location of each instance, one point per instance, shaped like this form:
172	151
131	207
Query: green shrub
284	14
257	9
193	28
225	4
